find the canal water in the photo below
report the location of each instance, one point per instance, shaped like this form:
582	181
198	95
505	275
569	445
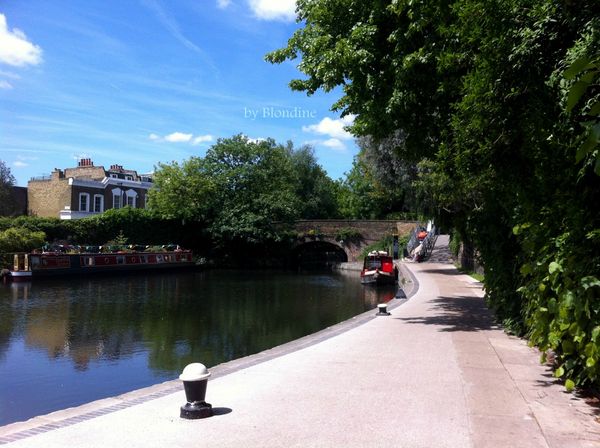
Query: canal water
65	342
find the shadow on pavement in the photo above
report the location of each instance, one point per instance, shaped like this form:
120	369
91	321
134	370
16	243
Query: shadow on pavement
453	271
457	314
221	411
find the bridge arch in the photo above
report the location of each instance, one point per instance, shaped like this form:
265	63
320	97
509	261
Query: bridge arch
322	252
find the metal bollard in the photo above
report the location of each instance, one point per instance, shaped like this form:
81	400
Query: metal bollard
195	378
382	307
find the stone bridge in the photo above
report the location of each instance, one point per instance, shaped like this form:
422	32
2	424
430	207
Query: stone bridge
346	237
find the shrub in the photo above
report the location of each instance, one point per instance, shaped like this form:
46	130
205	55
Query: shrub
348	234
387	244
20	239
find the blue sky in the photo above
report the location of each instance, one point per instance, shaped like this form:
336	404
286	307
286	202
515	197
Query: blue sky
139	82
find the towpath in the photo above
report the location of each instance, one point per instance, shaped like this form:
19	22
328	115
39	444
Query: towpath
438	372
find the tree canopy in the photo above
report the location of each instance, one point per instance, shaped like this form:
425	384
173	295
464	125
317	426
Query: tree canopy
240	188
7	181
496	104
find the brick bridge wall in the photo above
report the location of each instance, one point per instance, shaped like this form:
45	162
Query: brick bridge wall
370	232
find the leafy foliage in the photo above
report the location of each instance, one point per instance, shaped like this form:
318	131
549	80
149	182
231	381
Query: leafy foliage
135	225
316	192
7	181
18	239
236	191
496	103
348	234
387	244
362	196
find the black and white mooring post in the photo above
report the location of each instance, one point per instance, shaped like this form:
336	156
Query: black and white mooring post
195	378
382	307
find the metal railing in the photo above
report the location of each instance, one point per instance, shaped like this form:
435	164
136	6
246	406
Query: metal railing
427	244
38	178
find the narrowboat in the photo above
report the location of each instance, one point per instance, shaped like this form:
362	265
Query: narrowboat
50	264
379	269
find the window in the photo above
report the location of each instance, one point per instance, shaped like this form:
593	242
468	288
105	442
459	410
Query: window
114	176
84	202
116	201
128	178
117	195
98	203
130	198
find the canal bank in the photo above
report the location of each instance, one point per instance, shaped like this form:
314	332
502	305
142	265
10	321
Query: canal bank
437	372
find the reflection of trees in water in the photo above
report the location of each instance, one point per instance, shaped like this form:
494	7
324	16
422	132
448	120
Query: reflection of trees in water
82	320
12	296
209	317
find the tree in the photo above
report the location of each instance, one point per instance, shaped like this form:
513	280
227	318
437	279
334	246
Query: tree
362	196
478	91
391	59
17	239
182	191
238	190
254	189
314	190
395	177
7	200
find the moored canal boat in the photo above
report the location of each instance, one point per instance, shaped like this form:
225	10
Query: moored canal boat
50	264
379	269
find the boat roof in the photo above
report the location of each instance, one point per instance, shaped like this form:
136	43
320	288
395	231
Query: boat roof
378	253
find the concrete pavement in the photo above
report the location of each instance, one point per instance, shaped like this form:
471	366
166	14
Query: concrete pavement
437	372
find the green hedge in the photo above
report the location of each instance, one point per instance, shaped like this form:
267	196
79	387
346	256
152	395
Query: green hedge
135	225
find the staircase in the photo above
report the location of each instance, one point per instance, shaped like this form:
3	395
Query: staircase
441	251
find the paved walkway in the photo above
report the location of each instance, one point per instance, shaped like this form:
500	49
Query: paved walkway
436	373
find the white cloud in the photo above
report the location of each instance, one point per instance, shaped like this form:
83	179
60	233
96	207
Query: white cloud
9	75
255	140
222	4
5	84
178	137
335	144
274	9
15	49
332	128
19	164
202	139
78	157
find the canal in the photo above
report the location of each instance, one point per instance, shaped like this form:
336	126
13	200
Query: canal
70	341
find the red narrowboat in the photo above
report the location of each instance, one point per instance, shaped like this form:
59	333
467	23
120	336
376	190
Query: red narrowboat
50	264
379	269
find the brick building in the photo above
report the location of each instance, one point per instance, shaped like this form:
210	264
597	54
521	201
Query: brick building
86	190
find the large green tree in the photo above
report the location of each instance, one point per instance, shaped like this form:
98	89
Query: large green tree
361	195
238	190
7	181
314	189
494	103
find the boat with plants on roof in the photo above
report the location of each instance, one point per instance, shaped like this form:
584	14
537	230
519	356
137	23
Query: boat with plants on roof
84	260
378	269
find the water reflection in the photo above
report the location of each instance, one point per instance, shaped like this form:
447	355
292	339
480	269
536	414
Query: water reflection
101	337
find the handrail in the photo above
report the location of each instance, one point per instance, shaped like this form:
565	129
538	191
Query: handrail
429	243
413	240
425	246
